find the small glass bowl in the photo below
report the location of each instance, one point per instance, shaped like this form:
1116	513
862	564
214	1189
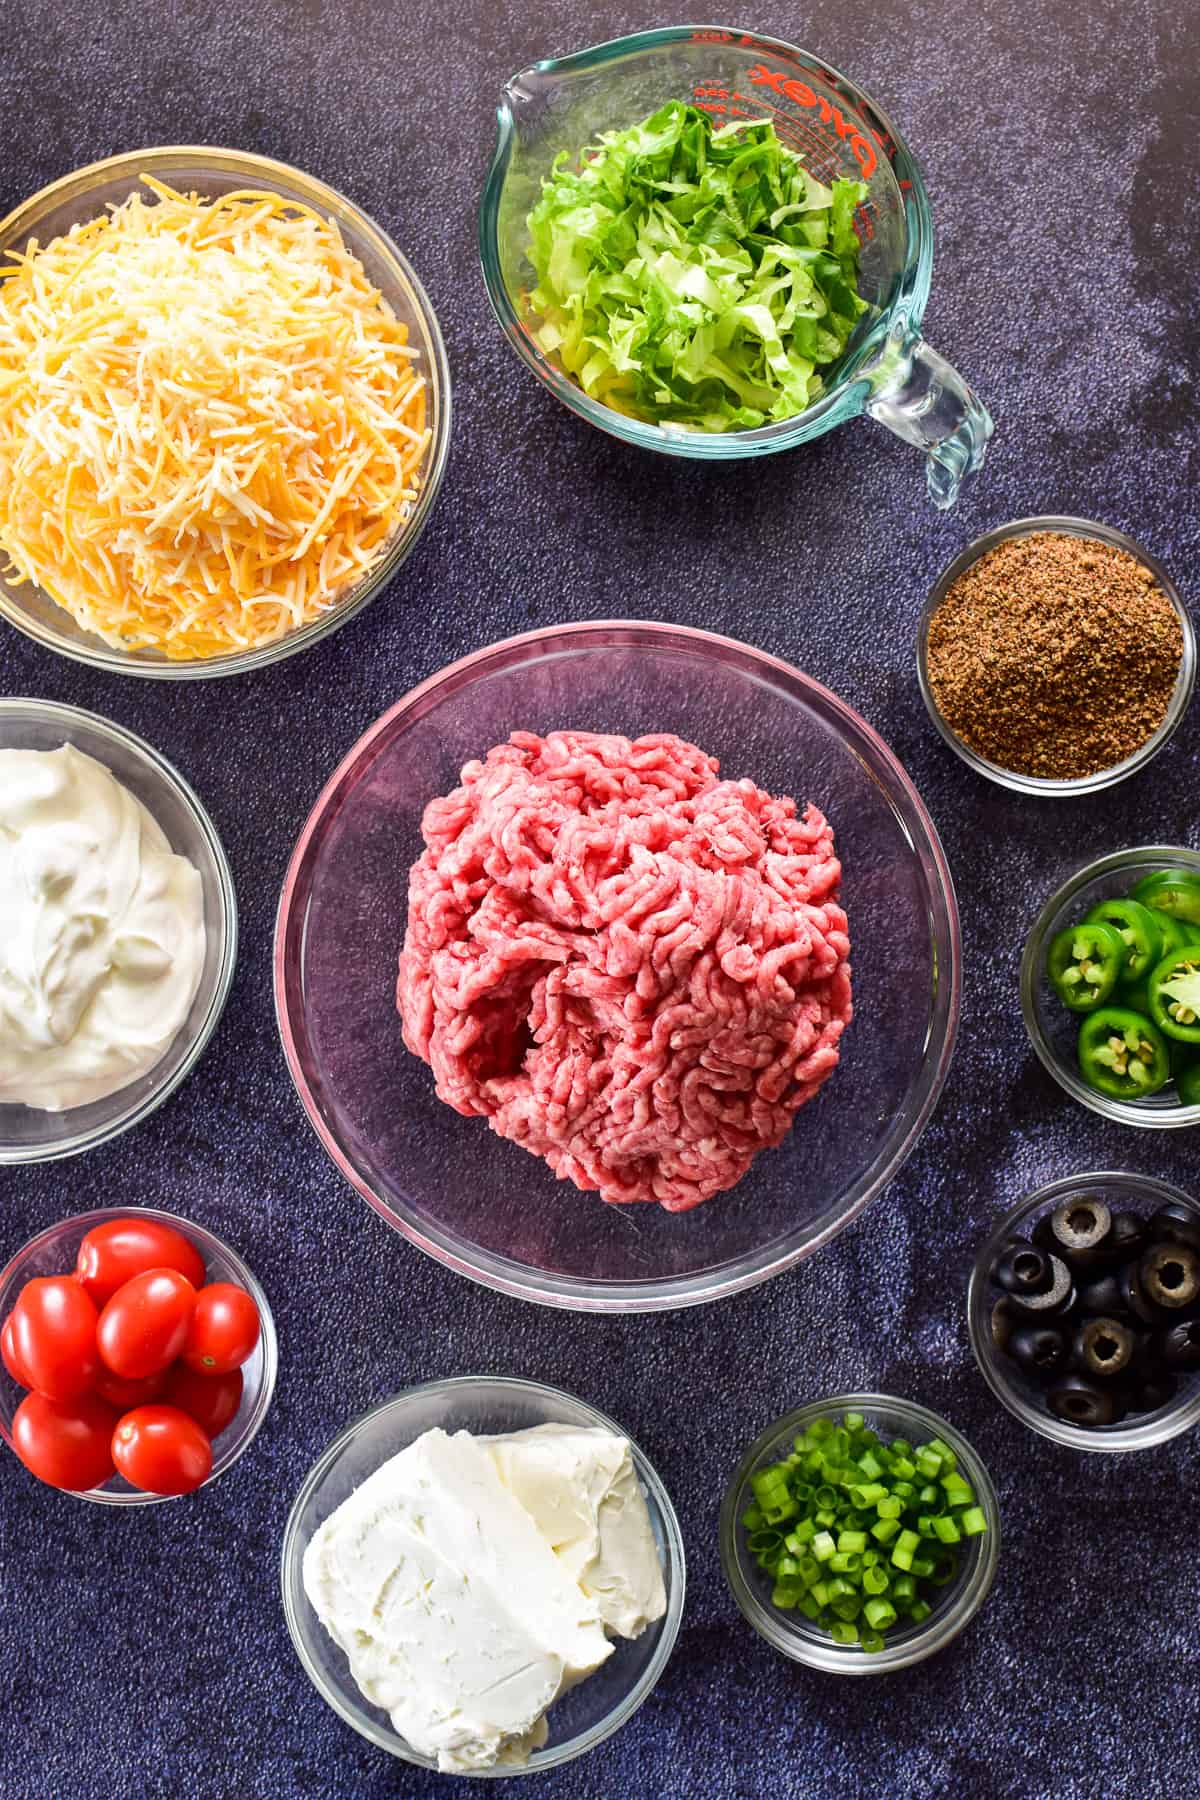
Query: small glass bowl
1036	784
27	1134
201	169
797	1637
1137	1431
1053	1031
53	1252
479	1404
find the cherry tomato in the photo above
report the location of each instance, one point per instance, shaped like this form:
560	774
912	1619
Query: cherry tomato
113	1253
144	1326
9	1357
124	1393
67	1443
212	1400
161	1450
54	1336
224	1329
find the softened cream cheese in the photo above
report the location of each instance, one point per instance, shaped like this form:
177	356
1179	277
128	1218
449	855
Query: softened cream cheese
580	1488
101	932
471	1581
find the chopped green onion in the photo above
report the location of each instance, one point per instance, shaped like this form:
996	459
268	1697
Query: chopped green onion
856	1534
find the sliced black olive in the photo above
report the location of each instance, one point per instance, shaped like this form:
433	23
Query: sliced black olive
1004	1321
1082	1401
1170	1275
1059	1297
1103	1348
1129	1284
1155	1391
1128	1238
1040	1349
1023	1269
1175	1224
1081	1227
1179	1344
1102	1294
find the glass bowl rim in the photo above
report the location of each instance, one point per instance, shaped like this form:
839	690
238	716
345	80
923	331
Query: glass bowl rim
965	1599
1180	1415
676	1570
1044	787
1123	1112
576	1293
323	197
830	408
163	772
203	1239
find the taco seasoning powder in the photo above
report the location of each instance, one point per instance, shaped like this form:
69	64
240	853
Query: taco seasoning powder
1054	656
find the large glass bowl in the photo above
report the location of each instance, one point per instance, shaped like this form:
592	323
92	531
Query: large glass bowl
26	1133
482	1405
209	172
53	1252
788	1631
482	1205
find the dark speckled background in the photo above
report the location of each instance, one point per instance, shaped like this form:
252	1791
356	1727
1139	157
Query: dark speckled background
145	1654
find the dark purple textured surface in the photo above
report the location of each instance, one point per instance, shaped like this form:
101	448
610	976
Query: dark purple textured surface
145	1654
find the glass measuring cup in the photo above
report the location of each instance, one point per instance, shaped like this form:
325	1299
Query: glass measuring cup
888	370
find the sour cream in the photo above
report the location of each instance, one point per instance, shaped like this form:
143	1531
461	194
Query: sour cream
101	932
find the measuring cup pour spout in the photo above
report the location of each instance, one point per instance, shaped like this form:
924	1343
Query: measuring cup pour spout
918	395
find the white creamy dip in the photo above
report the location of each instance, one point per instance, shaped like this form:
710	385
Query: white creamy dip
471	1581
101	932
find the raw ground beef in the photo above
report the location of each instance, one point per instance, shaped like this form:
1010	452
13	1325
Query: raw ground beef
623	963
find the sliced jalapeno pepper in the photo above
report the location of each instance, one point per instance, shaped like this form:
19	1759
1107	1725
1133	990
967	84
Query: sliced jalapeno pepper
1138	929
1172	891
1121	1053
1083	965
1175	934
1174	989
1187	1085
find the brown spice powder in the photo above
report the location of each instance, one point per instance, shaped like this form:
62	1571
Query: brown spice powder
1054	656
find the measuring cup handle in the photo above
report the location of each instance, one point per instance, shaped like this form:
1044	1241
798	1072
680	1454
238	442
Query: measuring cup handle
916	394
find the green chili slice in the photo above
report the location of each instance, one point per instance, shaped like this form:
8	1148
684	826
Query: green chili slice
1084	965
1174	990
1139	931
1123	1054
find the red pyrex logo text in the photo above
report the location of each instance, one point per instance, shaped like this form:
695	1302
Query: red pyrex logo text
861	148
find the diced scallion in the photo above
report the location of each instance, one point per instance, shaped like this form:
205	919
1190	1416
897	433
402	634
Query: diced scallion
858	1535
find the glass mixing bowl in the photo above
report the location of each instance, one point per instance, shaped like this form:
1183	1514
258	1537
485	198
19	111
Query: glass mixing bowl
206	171
787	1630
53	1252
1053	1031
481	1404
888	370
482	1205
26	1133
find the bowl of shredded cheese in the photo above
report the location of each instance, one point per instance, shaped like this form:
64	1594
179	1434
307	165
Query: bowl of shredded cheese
224	412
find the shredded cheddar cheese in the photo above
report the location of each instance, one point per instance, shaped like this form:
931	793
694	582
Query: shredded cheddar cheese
211	423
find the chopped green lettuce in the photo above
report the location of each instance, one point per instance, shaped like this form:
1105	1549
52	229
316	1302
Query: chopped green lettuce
694	276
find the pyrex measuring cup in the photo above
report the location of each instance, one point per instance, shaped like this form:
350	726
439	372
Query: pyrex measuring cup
888	371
